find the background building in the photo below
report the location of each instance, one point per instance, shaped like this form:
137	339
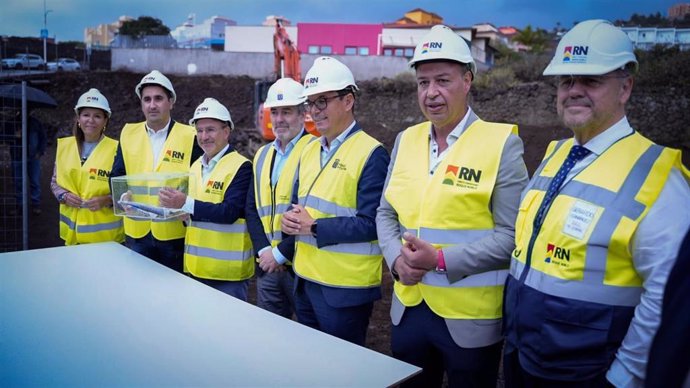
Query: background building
645	38
679	11
208	34
103	34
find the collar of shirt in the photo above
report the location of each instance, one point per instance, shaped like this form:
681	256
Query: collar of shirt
289	147
601	142
152	133
327	150
212	163
434	157
325	147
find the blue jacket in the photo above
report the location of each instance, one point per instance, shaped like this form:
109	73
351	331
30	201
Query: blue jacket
232	207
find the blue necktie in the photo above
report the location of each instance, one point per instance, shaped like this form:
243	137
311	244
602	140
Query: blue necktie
576	154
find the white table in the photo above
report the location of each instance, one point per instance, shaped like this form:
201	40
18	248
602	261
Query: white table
101	314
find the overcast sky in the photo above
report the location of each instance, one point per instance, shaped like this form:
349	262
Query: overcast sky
68	18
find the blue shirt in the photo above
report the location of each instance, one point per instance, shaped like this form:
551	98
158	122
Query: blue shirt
327	150
281	157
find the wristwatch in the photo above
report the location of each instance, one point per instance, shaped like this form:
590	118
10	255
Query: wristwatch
61	197
313	229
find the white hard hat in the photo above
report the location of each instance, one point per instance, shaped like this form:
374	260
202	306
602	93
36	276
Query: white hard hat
156	78
92	99
212	109
593	47
285	92
442	43
327	74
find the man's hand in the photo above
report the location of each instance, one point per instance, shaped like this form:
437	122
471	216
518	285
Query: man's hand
297	221
171	198
418	253
268	263
408	276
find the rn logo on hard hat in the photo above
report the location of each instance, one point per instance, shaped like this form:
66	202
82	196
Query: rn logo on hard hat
201	109
431	46
280	96
311	82
575	54
89	99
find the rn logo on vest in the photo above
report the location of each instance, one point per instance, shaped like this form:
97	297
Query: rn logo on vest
575	54
557	255
98	174
215	187
462	177
173	156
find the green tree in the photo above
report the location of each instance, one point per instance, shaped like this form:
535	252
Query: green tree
536	39
144	25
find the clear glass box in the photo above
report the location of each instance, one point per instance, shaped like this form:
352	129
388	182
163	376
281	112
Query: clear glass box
136	195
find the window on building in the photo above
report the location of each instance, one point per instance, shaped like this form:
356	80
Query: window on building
326	50
350	50
313	49
409	52
399	52
364	51
387	52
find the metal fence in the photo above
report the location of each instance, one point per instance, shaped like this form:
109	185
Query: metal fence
13	210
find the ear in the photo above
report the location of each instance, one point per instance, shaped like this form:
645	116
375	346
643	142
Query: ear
349	101
467	78
626	90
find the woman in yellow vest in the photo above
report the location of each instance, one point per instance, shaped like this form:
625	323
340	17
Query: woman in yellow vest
80	178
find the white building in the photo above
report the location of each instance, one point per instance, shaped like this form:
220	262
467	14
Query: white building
208	34
254	39
645	38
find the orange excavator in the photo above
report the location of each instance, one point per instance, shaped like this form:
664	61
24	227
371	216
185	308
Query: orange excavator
286	64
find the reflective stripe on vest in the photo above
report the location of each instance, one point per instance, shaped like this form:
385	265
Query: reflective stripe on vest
272	202
328	192
176	156
81	225
598	266
212	250
462	184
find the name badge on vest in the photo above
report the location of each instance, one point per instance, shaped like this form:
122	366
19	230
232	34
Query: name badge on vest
579	219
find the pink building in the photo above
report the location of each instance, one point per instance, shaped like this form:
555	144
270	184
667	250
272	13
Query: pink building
338	39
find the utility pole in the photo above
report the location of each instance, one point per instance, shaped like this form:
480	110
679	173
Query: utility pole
44	31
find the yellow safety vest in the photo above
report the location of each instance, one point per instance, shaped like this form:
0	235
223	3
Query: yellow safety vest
453	206
582	250
272	202
77	225
328	192
218	251
138	157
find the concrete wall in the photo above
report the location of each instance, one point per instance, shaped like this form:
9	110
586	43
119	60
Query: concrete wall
254	65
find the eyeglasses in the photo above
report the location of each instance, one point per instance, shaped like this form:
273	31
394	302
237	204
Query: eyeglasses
588	81
321	103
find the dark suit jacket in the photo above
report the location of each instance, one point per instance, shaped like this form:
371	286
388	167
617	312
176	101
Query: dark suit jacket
669	356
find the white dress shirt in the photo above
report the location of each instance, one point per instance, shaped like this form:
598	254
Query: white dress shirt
157	139
434	157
